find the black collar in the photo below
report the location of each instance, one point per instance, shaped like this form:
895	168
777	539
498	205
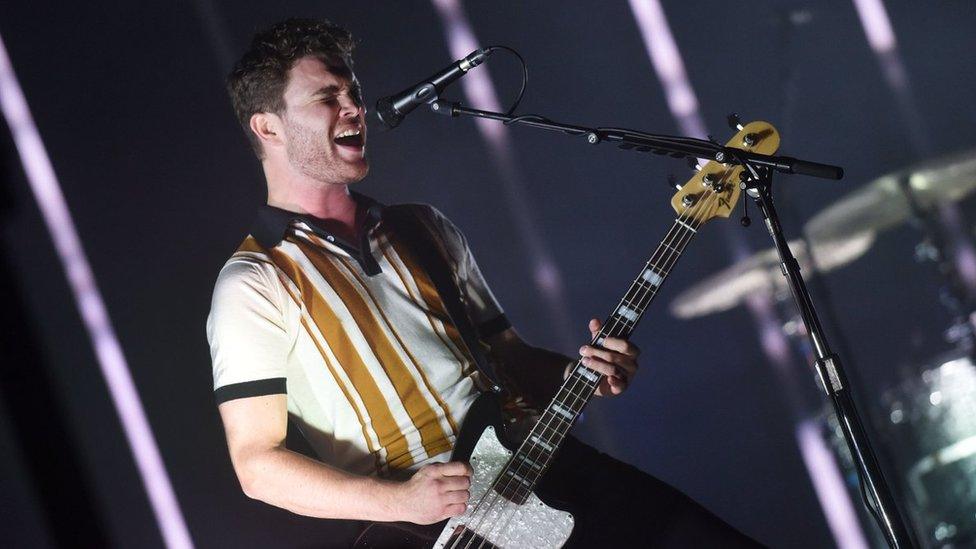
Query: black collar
271	224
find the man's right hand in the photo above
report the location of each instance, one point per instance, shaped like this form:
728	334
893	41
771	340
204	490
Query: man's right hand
435	492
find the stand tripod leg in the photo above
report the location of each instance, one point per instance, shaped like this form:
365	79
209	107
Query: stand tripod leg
879	497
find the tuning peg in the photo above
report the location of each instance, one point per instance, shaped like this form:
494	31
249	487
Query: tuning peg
673	182
734	122
693	163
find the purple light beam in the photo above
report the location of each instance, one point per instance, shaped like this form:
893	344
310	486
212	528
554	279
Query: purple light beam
480	92
881	37
47	191
683	103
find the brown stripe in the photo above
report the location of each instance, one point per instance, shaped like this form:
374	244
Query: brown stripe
413	359
424	307
345	391
250	244
423	416
430	295
253	246
325	319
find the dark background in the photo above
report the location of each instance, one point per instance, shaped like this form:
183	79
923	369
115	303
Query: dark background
129	100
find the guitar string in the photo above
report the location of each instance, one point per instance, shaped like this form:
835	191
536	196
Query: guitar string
649	292
629	299
646	295
643	294
615	323
606	331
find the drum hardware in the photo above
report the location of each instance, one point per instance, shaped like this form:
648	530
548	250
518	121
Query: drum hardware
940	480
914	195
931	431
762	273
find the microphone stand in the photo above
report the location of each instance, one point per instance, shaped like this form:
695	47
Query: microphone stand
757	183
675	146
833	380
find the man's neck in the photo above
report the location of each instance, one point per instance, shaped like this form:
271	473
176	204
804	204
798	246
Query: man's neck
330	203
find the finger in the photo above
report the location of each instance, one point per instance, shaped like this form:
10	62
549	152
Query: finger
612	357
453	468
607	388
612	386
629	364
603	354
450	484
594	326
454	510
457	496
604	367
621	346
617	383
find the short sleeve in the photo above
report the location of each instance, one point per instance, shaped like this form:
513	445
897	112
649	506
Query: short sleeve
483	308
246	331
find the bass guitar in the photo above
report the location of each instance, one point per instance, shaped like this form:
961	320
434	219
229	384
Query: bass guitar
503	511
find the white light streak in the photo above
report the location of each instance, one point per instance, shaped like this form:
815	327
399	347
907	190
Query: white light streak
666	59
877	26
477	84
881	38
664	54
829	486
480	92
108	351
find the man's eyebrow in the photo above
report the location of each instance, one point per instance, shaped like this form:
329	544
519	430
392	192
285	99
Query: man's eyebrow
333	88
326	90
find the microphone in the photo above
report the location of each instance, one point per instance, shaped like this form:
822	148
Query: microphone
393	108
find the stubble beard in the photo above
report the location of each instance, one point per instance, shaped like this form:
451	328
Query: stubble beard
309	152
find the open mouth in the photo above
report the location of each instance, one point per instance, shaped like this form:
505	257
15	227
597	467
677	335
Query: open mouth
350	138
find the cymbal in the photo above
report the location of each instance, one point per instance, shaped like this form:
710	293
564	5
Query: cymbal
882	204
760	274
840	233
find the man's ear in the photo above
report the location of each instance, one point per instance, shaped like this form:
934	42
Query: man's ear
268	127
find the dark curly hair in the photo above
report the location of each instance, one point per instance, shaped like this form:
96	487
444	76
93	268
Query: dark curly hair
257	82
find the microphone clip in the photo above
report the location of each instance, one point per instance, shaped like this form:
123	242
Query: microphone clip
445	107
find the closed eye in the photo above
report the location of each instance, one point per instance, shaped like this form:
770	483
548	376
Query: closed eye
354	95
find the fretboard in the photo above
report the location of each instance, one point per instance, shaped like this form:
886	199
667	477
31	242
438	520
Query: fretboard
527	465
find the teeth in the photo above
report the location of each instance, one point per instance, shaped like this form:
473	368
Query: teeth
348	133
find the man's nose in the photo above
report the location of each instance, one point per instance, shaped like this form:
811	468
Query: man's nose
349	107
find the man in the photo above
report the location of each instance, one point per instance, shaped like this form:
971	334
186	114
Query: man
326	316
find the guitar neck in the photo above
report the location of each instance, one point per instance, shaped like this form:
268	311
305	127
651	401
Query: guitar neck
532	458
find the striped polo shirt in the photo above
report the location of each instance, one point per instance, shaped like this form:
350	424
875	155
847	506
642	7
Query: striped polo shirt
378	378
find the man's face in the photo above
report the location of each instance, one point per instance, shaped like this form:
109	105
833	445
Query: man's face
324	121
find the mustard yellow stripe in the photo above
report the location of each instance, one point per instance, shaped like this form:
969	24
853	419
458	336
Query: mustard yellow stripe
430	295
413	359
250	244
255	247
423	306
421	414
325	319
345	391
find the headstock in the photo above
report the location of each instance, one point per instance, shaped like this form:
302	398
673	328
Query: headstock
714	189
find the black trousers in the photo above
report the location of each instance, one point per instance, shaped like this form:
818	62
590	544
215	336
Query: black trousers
618	505
614	505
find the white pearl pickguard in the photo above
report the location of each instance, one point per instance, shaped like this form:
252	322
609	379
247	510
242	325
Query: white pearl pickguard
506	524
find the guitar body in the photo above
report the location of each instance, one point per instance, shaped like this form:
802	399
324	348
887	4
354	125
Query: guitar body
483	443
506	523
